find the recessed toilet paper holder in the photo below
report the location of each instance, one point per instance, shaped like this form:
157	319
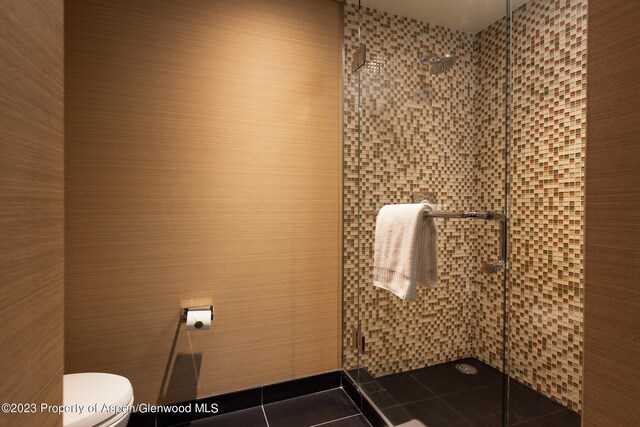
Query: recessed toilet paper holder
184	311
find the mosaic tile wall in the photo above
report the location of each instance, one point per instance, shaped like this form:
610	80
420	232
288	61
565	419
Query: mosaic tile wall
418	135
445	134
546	176
548	129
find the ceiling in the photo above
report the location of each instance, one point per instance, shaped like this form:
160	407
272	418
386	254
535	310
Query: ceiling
465	15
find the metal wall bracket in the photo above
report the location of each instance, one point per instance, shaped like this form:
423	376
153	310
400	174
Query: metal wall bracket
359	58
501	263
357	340
184	311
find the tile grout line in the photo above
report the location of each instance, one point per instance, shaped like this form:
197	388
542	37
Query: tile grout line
303	395
454	411
351	400
264	414
541	416
359	412
445	403
457	392
435	396
405	403
439	397
337	419
354	403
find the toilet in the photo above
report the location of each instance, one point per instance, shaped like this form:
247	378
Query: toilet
91	388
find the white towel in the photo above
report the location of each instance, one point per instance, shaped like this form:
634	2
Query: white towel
405	250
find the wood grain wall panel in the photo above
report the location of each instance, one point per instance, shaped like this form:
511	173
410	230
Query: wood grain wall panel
203	163
612	297
31	206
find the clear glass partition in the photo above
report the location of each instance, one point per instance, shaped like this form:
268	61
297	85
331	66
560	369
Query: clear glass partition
473	106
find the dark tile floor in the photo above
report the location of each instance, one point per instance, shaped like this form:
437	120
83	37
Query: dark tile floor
331	408
437	396
441	396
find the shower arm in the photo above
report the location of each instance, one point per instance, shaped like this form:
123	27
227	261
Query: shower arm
488	267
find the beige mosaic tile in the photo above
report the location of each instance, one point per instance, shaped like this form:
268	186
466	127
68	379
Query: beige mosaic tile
548	139
546	177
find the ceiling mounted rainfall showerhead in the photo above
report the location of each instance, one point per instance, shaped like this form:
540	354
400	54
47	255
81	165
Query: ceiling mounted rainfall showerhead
438	64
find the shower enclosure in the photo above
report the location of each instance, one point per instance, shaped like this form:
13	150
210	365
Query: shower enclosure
482	113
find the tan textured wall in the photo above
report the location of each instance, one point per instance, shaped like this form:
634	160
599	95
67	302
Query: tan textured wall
203	163
31	207
612	300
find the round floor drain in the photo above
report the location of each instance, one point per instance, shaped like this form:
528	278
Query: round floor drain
465	368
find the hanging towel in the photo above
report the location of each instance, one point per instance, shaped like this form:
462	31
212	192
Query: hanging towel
405	250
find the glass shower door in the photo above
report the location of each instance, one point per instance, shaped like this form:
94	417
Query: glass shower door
425	119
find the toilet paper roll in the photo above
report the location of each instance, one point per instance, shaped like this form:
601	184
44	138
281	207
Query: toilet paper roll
198	320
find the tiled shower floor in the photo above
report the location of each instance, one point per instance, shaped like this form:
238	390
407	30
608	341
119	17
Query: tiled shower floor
441	396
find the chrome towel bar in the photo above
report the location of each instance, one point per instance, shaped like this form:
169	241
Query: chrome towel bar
488	267
488	215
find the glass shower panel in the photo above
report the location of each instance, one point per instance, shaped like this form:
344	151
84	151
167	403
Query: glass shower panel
425	119
354	56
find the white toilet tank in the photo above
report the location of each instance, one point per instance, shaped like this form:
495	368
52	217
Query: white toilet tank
94	388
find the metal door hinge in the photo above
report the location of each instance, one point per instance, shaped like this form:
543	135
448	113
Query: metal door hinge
357	340
359	58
